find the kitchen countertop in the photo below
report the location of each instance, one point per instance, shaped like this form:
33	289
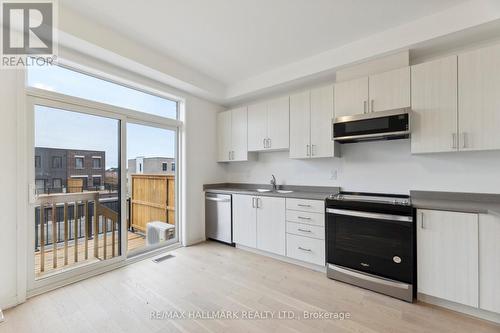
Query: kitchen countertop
481	203
299	192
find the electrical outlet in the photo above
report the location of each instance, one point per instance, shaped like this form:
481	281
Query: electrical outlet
333	174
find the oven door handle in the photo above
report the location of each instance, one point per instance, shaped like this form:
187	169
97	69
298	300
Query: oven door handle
370	215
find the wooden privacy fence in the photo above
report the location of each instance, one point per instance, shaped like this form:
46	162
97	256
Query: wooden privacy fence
83	218
152	199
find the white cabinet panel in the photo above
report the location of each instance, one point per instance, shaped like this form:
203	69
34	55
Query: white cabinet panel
306	230
306	249
300	125
478	99
257	126
278	123
239	135
447	252
351	97
305	205
321	122
489	262
271	225
390	90
244	220
305	217
223	136
434	104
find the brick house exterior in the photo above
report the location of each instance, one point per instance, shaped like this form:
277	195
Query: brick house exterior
54	166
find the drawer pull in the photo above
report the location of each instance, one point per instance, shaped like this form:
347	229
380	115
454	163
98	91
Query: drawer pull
303	218
301	248
303	205
304	230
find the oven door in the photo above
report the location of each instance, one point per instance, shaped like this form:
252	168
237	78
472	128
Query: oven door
375	243
351	129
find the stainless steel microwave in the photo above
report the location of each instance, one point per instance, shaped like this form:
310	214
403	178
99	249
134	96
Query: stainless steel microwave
383	125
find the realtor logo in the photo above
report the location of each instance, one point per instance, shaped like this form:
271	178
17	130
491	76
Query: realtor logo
28	33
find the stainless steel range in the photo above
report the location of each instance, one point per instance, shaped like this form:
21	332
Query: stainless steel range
370	242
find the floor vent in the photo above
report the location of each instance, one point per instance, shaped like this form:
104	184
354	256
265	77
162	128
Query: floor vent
160	259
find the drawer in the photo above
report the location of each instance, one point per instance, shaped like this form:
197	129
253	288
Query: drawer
305	217
307	230
306	249
304	205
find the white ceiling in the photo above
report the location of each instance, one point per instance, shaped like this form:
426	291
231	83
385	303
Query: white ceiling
234	40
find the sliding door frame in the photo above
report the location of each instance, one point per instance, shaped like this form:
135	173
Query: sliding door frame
36	96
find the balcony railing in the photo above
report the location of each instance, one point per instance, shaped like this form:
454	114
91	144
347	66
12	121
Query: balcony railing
81	222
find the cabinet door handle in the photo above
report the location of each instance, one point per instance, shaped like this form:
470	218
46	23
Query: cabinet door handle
454	140
229	155
303	205
371	107
304	230
253	202
422	220
303	218
312	150
464	140
364	106
308	150
301	248
259	200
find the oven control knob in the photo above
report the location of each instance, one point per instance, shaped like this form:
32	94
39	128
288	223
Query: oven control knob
396	259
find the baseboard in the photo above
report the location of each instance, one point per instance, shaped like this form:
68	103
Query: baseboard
283	258
457	307
9	303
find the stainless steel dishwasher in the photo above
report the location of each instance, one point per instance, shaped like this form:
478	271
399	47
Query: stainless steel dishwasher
218	217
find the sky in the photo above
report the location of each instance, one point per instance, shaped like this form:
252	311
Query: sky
58	128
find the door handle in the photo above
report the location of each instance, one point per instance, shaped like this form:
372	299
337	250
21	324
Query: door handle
422	220
371	107
269	143
308	150
303	218
303	249
303	230
312	150
464	140
364	106
253	202
454	140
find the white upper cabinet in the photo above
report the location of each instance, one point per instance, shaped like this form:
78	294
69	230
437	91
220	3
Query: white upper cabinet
479	99
379	92
389	90
447	252
322	144
223	136
268	125
351	97
434	119
300	125
232	135
311	116
257	126
278	123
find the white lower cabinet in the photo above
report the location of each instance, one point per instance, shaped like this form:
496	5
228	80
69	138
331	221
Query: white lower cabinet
271	225
259	222
305	230
244	220
447	256
306	249
489	262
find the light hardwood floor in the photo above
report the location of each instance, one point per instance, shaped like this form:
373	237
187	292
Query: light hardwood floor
213	277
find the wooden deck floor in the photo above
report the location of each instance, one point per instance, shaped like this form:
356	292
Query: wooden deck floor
214	278
134	241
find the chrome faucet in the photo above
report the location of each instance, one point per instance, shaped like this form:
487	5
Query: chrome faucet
273	182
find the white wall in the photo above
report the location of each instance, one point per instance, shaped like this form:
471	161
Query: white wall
384	166
8	198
